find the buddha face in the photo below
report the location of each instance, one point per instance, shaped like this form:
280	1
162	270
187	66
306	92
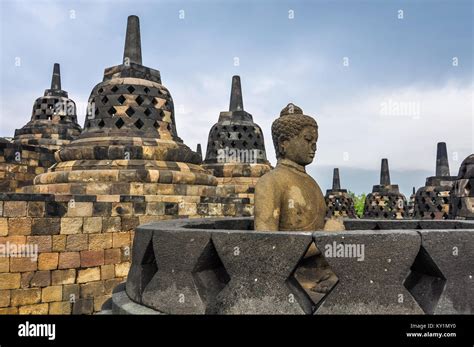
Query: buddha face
302	148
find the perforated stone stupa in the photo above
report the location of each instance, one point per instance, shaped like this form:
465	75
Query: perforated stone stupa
432	201
129	145
53	121
236	148
53	124
338	201
462	194
385	201
411	203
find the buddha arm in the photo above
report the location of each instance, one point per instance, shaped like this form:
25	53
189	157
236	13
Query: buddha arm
267	205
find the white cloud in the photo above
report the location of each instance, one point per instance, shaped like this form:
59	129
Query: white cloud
361	128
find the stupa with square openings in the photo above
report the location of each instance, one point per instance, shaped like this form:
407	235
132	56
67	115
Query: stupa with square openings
53	124
385	201
236	148
339	201
130	145
432	201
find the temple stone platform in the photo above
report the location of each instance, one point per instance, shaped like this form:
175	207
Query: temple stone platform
127	167
130	147
383	267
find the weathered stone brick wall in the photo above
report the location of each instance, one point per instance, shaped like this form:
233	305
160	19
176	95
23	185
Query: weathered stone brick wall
19	164
84	245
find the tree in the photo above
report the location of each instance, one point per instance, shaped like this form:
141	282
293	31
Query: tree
359	201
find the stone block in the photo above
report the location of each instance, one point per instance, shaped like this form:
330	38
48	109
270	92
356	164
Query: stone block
77	242
61	277
111	224
36	209
4	298
60	308
45	226
71	225
34	309
69	260
121	240
20	297
44	242
88	275
40	279
99	242
3	226
92	289
14	208
23	264
48	261
52	293
92	225
121	270
59	243
92	258
112	256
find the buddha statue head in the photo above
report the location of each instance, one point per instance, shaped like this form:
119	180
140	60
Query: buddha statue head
294	135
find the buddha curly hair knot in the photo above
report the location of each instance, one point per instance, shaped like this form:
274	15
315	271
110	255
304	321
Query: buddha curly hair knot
290	123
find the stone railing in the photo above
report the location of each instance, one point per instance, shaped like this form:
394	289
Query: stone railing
222	266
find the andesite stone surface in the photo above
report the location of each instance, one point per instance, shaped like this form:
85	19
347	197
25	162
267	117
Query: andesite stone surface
432	201
339	202
462	194
53	121
236	149
385	201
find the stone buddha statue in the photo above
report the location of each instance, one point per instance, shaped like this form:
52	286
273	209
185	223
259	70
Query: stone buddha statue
288	199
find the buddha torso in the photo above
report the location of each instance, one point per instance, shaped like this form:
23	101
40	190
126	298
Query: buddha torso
293	200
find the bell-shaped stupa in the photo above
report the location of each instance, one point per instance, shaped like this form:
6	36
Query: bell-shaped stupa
385	201
432	201
53	121
236	148
339	201
129	145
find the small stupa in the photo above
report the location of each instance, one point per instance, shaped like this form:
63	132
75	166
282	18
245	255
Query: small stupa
432	201
339	201
236	148
385	201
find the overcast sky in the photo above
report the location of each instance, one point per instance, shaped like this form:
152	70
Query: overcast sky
382	78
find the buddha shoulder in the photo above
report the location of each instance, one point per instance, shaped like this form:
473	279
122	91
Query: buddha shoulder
272	179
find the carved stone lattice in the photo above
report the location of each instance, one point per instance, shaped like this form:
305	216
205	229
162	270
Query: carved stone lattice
53	121
432	201
129	145
338	201
385	201
236	148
